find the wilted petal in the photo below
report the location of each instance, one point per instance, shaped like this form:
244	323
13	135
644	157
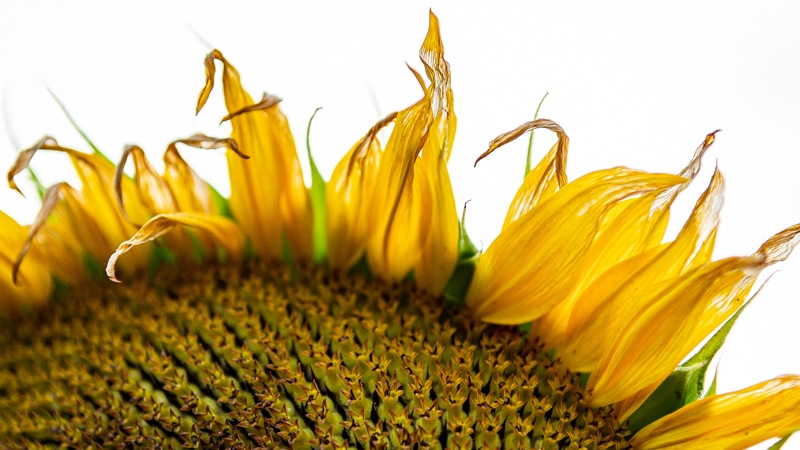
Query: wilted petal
651	343
776	249
532	265
224	232
268	196
734	420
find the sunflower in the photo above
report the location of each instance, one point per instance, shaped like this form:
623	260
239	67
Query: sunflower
357	313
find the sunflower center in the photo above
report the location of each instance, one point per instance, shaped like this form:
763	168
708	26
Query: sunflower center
267	356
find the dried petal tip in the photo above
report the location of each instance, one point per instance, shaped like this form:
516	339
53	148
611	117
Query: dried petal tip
223	231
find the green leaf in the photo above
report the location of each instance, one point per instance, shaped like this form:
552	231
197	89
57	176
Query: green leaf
686	384
318	207
530	139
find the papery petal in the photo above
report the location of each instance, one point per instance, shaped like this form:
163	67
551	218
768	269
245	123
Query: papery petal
545	179
193	194
734	420
96	175
224	232
651	345
89	219
531	266
776	249
268	195
539	185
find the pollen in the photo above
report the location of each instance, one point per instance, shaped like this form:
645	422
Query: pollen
270	356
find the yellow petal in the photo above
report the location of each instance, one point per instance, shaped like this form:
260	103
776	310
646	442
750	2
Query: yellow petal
348	197
776	249
268	196
154	193
734	420
21	287
394	217
65	232
651	345
617	294
224	232
673	321
439	236
534	263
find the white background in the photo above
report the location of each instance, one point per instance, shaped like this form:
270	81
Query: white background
632	85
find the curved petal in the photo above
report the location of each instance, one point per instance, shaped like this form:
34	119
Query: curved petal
224	232
677	318
152	190
596	312
533	264
734	420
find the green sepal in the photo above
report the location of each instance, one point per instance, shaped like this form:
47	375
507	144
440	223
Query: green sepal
778	445
457	286
221	203
361	267
686	384
198	250
530	139
75	125
37	183
160	256
287	257
317	193
93	268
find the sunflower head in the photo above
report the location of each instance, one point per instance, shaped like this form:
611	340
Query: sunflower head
356	313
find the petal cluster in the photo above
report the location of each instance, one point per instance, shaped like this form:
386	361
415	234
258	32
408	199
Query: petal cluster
397	203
